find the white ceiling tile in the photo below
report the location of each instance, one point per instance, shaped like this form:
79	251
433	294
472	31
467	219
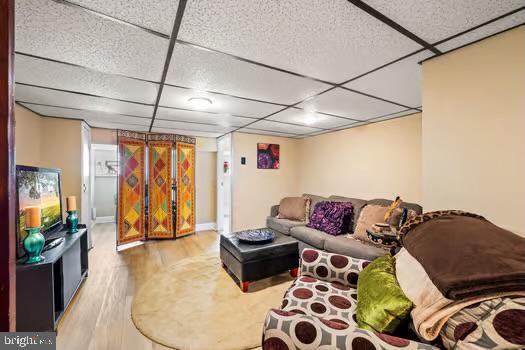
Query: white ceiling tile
89	116
201	117
394	115
30	94
349	104
187	133
53	30
192	126
156	15
265	132
300	116
353	125
489	29
327	39
280	127
108	125
66	77
208	70
399	82
178	97
436	20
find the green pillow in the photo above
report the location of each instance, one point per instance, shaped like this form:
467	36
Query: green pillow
381	304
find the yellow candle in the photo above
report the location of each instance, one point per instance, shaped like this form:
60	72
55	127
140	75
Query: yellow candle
71	203
33	217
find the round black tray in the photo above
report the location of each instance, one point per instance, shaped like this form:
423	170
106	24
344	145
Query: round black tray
257	236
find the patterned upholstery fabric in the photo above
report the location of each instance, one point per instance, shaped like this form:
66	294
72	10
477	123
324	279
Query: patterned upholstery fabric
284	330
333	218
493	324
331	267
318	310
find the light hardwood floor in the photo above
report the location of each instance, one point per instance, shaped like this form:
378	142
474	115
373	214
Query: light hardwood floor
99	316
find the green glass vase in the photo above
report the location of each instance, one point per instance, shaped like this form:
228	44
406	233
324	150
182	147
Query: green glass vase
33	245
72	221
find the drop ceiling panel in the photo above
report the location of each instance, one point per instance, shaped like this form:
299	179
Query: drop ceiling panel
201	117
53	30
394	115
331	39
489	29
265	132
192	126
178	97
399	82
156	15
300	116
186	132
89	116
70	100
436	20
207	70
66	77
349	104
280	127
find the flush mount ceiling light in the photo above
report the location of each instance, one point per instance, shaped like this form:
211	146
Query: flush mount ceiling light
310	119
200	102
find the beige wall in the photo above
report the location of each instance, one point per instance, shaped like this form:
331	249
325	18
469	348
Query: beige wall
206	187
51	143
474	130
255	190
380	160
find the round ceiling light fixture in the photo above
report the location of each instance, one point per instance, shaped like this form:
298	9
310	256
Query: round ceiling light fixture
200	102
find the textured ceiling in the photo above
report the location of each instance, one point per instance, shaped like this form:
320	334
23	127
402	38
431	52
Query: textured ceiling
288	68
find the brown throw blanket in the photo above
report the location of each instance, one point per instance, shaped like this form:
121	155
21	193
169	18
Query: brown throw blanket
467	256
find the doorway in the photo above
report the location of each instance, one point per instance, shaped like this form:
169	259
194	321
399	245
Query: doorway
224	189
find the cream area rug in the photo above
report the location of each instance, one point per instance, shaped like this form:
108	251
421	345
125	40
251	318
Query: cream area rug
196	305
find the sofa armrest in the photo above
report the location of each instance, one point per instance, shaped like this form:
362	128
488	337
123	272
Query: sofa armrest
289	330
331	267
274	210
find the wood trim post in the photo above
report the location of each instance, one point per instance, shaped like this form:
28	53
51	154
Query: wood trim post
7	168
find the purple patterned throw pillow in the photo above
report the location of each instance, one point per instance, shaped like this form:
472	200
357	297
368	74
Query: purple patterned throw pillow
333	218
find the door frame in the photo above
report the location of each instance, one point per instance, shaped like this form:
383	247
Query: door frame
220	193
7	168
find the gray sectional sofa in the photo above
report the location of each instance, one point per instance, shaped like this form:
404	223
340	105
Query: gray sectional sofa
312	238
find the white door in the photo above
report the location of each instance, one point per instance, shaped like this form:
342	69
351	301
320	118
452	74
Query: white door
85	212
224	193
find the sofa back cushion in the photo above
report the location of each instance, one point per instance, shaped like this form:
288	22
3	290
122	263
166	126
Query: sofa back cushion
293	208
386	202
357	203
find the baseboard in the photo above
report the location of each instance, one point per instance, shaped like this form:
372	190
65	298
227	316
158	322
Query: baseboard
104	219
206	226
129	245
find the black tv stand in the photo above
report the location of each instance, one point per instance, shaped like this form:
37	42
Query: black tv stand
54	243
45	289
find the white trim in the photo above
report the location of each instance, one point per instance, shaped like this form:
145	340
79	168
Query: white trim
103	147
129	245
206	226
104	219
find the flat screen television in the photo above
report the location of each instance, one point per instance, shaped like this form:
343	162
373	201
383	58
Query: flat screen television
38	187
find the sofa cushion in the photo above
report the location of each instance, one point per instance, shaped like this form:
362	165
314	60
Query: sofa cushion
310	236
386	202
313	201
330	300
371	214
358	204
294	208
348	246
282	225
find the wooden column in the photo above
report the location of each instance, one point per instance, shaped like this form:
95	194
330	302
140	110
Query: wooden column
7	168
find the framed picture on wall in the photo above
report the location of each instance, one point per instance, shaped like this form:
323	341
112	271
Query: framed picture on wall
267	156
